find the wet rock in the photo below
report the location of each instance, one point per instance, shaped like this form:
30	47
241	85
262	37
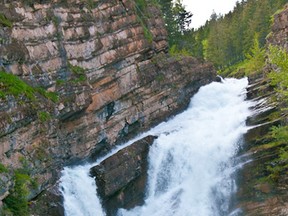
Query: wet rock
121	179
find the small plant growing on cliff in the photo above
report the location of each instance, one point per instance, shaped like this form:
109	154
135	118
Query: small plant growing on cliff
140	8
43	116
17	201
53	96
174	51
11	84
279	78
3	169
279	165
5	22
78	71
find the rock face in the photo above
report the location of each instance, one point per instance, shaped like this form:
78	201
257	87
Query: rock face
257	195
280	29
121	179
263	188
109	70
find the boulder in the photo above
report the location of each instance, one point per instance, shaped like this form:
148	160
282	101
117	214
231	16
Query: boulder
121	179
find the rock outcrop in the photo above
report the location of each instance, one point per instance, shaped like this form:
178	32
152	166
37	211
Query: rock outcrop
122	178
92	74
259	194
279	33
263	181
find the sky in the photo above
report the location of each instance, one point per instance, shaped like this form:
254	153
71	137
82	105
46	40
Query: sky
202	9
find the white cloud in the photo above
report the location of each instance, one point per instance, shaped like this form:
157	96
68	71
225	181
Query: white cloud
202	9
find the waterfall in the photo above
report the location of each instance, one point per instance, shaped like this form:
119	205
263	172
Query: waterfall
191	164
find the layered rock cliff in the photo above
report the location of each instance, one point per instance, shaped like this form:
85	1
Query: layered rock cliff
263	181
279	32
78	77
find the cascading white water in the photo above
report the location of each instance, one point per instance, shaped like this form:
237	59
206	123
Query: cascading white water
190	164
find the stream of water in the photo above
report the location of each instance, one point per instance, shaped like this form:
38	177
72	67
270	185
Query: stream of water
191	164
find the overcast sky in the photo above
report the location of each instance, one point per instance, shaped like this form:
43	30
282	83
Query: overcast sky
202	9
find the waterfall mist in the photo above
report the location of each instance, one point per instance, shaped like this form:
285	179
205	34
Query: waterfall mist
191	164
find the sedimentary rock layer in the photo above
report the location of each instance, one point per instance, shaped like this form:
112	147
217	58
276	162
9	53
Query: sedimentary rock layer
122	178
108	65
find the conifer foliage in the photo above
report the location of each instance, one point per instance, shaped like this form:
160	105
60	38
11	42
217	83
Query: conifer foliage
227	39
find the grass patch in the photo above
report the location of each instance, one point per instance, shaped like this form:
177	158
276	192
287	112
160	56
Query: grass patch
78	72
3	169
17	201
43	116
5	22
12	85
52	96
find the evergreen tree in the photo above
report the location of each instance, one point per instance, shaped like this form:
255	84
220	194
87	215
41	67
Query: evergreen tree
177	20
227	39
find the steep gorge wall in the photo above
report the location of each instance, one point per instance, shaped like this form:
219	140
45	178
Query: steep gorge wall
107	65
279	32
263	181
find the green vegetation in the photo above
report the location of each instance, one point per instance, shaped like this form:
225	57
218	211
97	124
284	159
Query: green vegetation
16	202
160	78
147	34
177	21
43	116
279	79
52	96
12	85
253	63
78	72
29	2
3	169
276	140
142	16
226	40
174	51
4	21
280	164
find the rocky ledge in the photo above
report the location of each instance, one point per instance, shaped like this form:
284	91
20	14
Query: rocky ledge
262	186
263	181
122	178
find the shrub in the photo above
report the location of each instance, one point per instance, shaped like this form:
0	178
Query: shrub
43	116
3	169
279	78
16	201
4	21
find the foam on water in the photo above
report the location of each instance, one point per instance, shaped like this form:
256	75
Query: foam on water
190	164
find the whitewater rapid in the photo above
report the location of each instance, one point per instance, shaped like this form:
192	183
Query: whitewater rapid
191	164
